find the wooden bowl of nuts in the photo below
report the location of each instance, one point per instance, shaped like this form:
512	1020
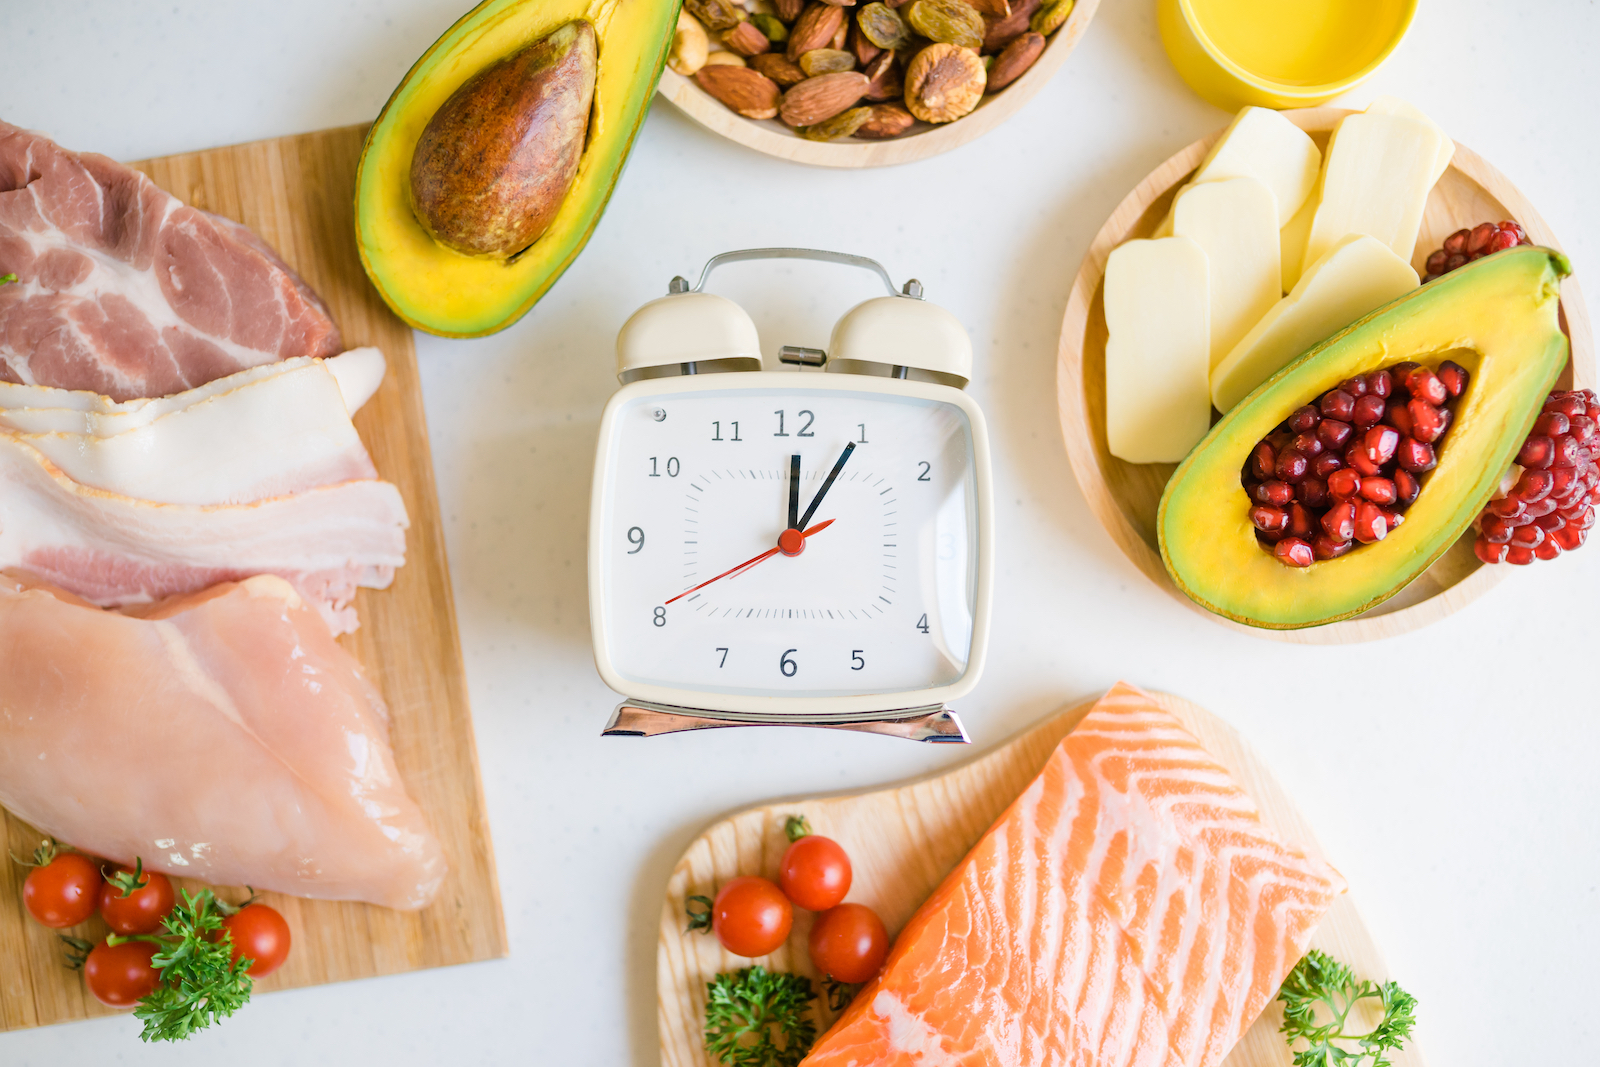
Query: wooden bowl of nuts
890	81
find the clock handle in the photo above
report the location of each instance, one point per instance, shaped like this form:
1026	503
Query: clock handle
912	288
642	718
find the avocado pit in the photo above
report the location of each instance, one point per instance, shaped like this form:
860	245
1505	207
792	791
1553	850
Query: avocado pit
495	162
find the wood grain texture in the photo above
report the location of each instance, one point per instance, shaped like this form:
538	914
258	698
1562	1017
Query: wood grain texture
1125	496
296	192
775	139
903	840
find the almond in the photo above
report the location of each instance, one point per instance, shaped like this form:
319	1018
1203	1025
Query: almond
746	39
789	10
822	97
814	29
1014	60
778	68
886	121
992	8
884	81
1000	32
749	92
865	51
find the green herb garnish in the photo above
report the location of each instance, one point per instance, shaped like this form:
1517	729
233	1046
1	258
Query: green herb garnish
698	920
4	278
1320	980
756	1018
200	981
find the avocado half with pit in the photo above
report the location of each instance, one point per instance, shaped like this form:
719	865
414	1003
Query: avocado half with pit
463	291
1497	317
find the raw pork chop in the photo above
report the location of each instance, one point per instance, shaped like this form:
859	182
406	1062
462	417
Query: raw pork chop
1130	908
124	290
114	551
224	736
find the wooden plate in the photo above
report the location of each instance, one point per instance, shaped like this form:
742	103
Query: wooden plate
776	139
903	841
1125	496
296	192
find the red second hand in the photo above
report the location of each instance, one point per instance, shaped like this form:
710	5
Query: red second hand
747	564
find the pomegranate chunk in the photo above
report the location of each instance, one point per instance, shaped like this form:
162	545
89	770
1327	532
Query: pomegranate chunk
1550	508
1464	246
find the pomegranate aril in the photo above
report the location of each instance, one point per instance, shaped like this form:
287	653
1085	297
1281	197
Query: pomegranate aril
1355	458
1263	461
1536	509
1527	536
1313	492
1519	555
1333	433
1305	418
1379	490
1378	444
1505	507
1339	522
1336	404
1326	464
1537	452
1427	421
1370	523
1489	553
1343	484
1493	528
1393	518
1454	376
1275	494
1480	236
1406	487
1437	261
1532	486
1399	417
1570	405
1570	537
1549	548
1425	385
1325	547
1269	520
1307	444
1294	552
1301	523
1551	424
1380	383
1550	523
1292	466
1583	519
1564	480
1582	428
1566	452
1356	387
1398	372
1415	456
1369	411
1456	243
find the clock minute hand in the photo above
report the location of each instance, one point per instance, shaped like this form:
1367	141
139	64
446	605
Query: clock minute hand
837	467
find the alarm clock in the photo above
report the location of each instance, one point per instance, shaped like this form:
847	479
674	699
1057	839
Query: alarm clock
805	547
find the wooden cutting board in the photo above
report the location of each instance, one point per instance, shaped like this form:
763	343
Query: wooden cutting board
297	193
903	840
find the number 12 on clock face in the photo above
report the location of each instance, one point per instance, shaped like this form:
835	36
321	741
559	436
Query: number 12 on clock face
805	548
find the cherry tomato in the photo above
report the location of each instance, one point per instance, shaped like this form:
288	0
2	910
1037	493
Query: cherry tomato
815	873
751	916
259	933
141	911
849	943
121	975
64	891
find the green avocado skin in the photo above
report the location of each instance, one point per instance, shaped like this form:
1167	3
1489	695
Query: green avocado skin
1498	317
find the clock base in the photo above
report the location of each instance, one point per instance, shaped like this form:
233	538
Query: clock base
933	723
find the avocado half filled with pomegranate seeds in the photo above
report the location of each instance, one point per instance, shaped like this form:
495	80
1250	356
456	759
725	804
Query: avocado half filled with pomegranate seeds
1491	327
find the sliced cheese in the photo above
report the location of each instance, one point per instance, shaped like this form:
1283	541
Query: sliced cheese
1292	242
1376	178
1235	222
1158	359
1393	105
1263	145
1358	275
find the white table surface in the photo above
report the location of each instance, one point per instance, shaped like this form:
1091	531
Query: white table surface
1450	773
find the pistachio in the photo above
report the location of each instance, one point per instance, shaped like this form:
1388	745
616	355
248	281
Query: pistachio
714	14
826	61
772	26
841	125
944	82
1049	19
689	45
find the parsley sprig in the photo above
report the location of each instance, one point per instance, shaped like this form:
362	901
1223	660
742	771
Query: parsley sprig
1319	981
200	981
5	278
756	1018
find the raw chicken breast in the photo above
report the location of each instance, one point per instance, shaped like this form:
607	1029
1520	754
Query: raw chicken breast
1130	908
114	550
224	736
125	291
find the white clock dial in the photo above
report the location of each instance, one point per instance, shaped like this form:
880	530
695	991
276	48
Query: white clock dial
880	599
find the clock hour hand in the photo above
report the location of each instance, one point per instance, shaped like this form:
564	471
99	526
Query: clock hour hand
768	554
837	467
794	493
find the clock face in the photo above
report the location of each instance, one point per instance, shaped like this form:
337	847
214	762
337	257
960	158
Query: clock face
880	597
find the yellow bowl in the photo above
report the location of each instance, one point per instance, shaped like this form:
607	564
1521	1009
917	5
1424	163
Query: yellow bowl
1279	53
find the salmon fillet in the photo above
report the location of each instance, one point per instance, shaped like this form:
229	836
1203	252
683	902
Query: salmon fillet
1129	908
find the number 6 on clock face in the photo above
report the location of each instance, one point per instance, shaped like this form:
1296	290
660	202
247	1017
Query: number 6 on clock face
816	543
